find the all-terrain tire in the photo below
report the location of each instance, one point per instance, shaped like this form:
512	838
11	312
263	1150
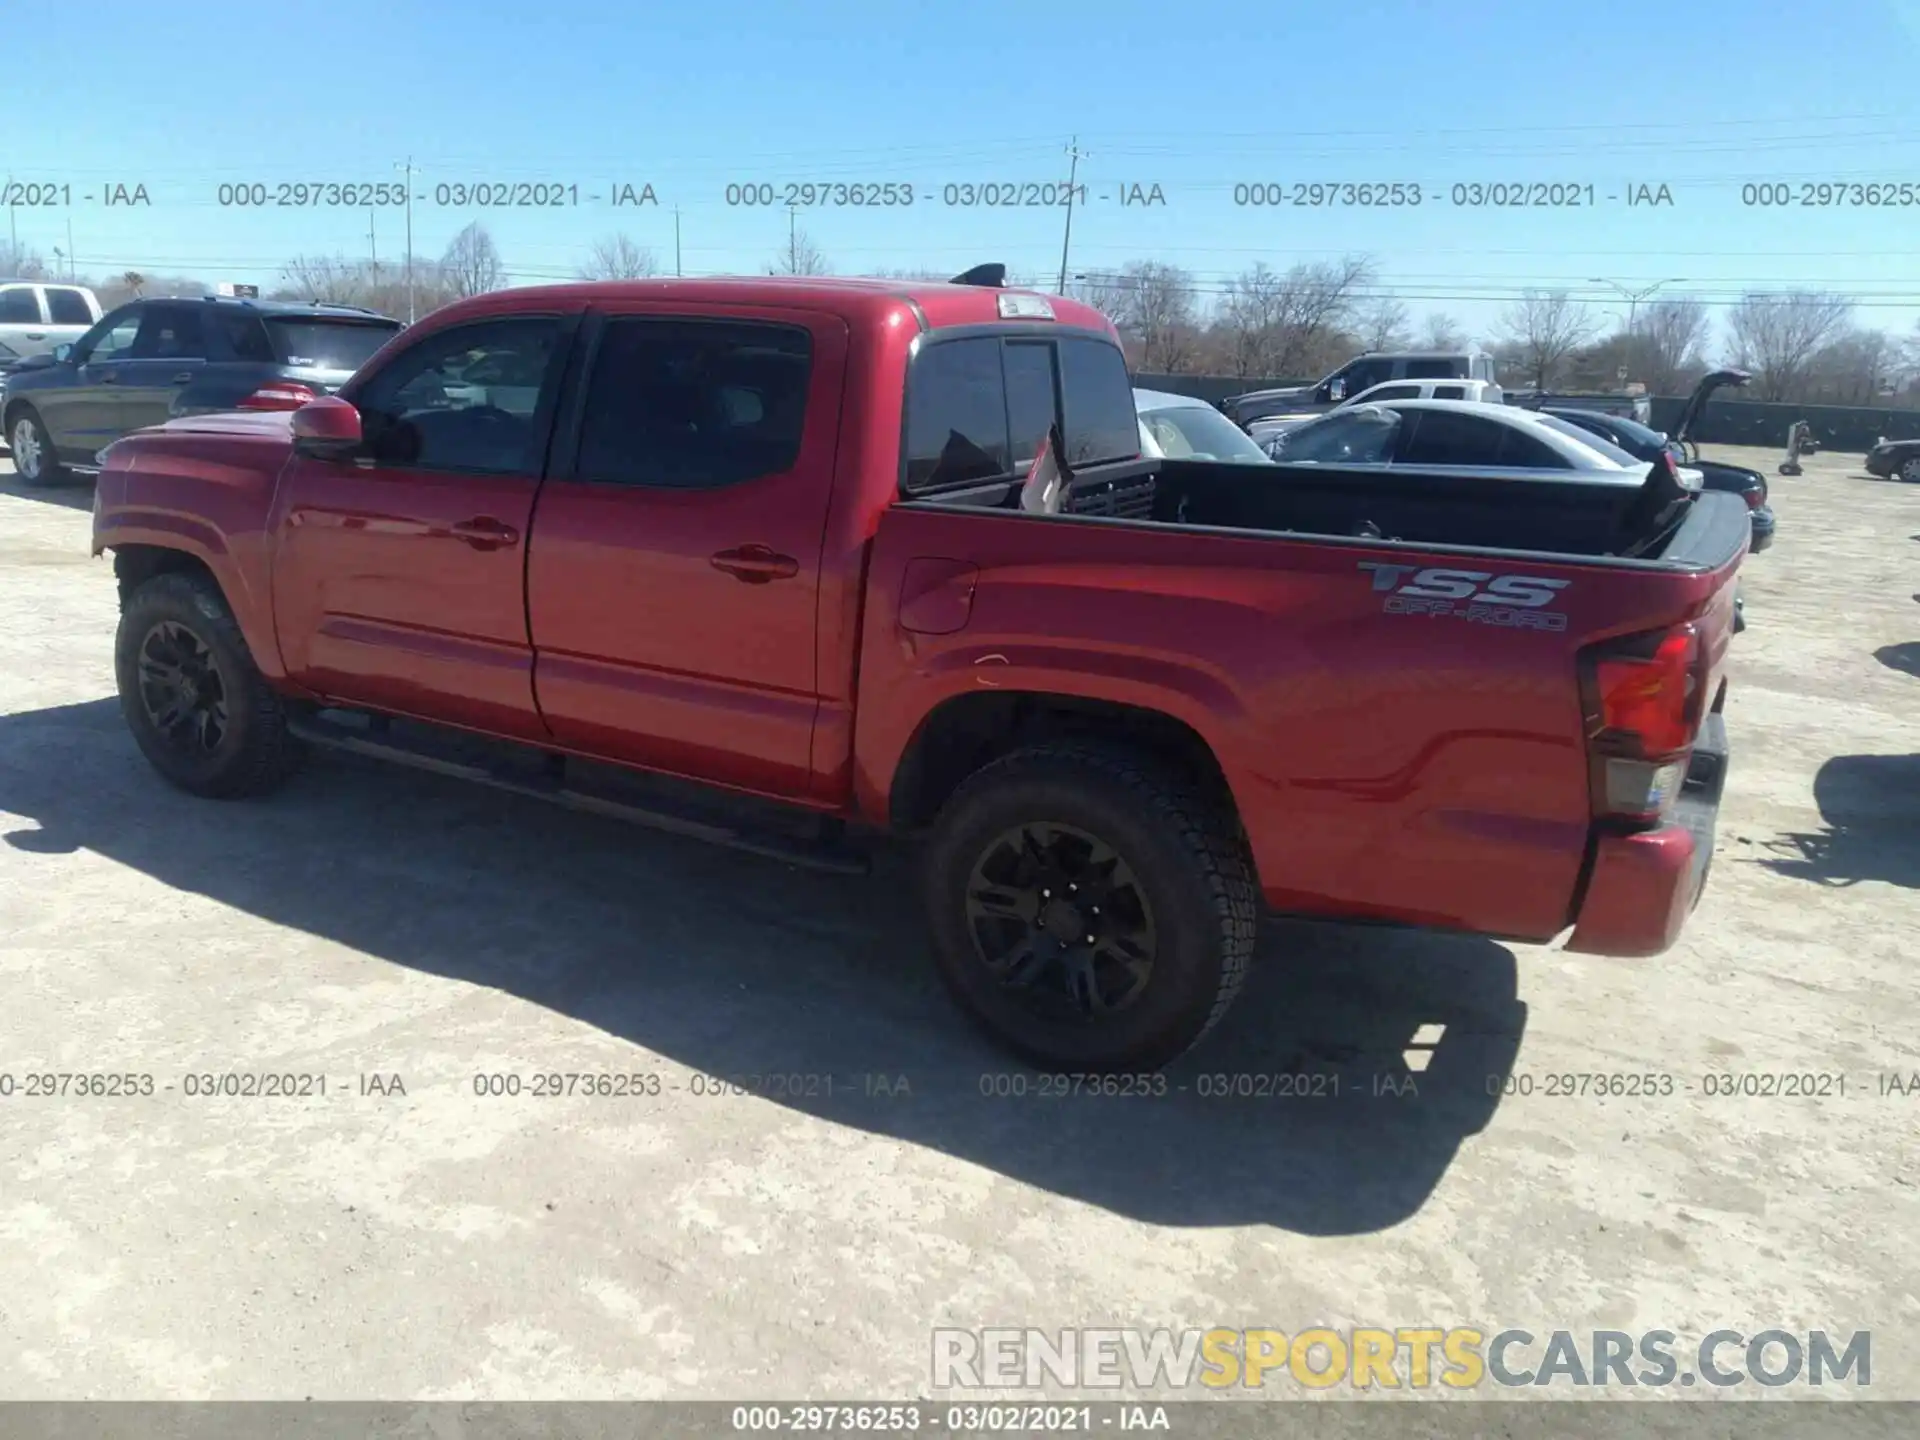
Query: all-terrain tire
1189	863
255	751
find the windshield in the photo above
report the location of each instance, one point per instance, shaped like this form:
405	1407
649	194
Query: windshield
311	343
1199	432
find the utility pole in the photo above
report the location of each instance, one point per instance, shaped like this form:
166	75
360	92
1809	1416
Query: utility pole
793	240
676	241
1073	171
13	227
407	170
373	248
70	271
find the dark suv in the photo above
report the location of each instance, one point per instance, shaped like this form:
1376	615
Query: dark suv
151	361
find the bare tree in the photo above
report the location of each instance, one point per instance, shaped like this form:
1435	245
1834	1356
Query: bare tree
1383	324
20	262
1544	328
1278	322
1667	351
1440	331
1857	367
135	282
1776	335
800	256
1152	303
618	258
472	265
343	281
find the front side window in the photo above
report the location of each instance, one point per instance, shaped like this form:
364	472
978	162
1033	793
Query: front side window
694	404
111	340
462	399
1349	437
1393	392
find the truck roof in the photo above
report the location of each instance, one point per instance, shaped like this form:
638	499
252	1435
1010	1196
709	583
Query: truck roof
939	304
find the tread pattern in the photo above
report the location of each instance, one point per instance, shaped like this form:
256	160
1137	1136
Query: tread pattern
1207	829
272	752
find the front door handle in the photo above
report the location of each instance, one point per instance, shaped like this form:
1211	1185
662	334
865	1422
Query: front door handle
756	564
185	377
108	377
485	533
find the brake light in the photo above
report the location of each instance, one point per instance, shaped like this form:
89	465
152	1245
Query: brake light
1757	496
279	395
1643	698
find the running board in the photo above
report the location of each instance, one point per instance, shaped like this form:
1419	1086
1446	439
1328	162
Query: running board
543	775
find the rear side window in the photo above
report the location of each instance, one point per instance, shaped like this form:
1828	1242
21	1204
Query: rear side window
1520	450
1597	443
1449	437
241	335
19	307
694	404
171	332
68	307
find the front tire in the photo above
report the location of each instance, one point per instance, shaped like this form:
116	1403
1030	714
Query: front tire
34	459
197	705
1910	471
1087	910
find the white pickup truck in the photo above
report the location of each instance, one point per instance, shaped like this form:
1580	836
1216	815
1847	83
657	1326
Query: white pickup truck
37	315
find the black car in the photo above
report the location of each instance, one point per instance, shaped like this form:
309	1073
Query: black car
151	361
1895	457
1644	443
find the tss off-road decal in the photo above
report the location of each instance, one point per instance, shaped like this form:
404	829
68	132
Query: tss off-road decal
1515	601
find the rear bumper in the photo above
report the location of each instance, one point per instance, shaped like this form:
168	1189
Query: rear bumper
1645	884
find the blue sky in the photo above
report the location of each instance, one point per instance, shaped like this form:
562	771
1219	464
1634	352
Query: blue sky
1703	97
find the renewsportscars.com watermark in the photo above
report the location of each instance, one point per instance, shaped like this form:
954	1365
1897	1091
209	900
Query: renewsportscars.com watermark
1458	1358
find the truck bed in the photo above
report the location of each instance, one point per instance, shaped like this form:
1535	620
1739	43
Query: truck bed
1570	520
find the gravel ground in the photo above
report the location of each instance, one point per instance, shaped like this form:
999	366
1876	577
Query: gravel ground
412	1239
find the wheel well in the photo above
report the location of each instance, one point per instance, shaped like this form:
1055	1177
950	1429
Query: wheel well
970	731
134	565
13	413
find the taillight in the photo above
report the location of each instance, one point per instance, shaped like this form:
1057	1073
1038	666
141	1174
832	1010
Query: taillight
279	395
1757	496
1643	700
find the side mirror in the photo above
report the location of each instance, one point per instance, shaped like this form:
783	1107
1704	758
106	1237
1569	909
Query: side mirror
1336	390
63	353
326	429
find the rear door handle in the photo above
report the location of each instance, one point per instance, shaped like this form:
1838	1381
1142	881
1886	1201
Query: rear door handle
485	533
108	377
756	564
36	334
185	377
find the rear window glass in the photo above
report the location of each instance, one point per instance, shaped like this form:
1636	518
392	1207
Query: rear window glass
1587	438
1100	423
316	344
978	408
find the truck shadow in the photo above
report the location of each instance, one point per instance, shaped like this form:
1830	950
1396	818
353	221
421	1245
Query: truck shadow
1868	803
736	966
1905	658
73	493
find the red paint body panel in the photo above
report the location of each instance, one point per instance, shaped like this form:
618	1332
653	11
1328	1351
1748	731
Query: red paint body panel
1385	766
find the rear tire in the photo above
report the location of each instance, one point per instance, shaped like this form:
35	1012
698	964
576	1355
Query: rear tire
197	705
34	459
1171	943
1910	471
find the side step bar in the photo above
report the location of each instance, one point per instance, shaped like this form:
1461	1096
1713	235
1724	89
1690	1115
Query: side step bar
543	776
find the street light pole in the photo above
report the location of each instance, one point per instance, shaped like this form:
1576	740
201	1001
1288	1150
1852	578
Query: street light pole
1633	299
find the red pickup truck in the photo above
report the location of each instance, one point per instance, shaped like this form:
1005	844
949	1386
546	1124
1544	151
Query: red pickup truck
754	560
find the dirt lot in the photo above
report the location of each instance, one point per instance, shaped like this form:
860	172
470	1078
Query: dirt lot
439	1243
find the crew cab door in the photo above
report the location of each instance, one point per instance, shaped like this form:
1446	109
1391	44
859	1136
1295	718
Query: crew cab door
399	576
672	584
